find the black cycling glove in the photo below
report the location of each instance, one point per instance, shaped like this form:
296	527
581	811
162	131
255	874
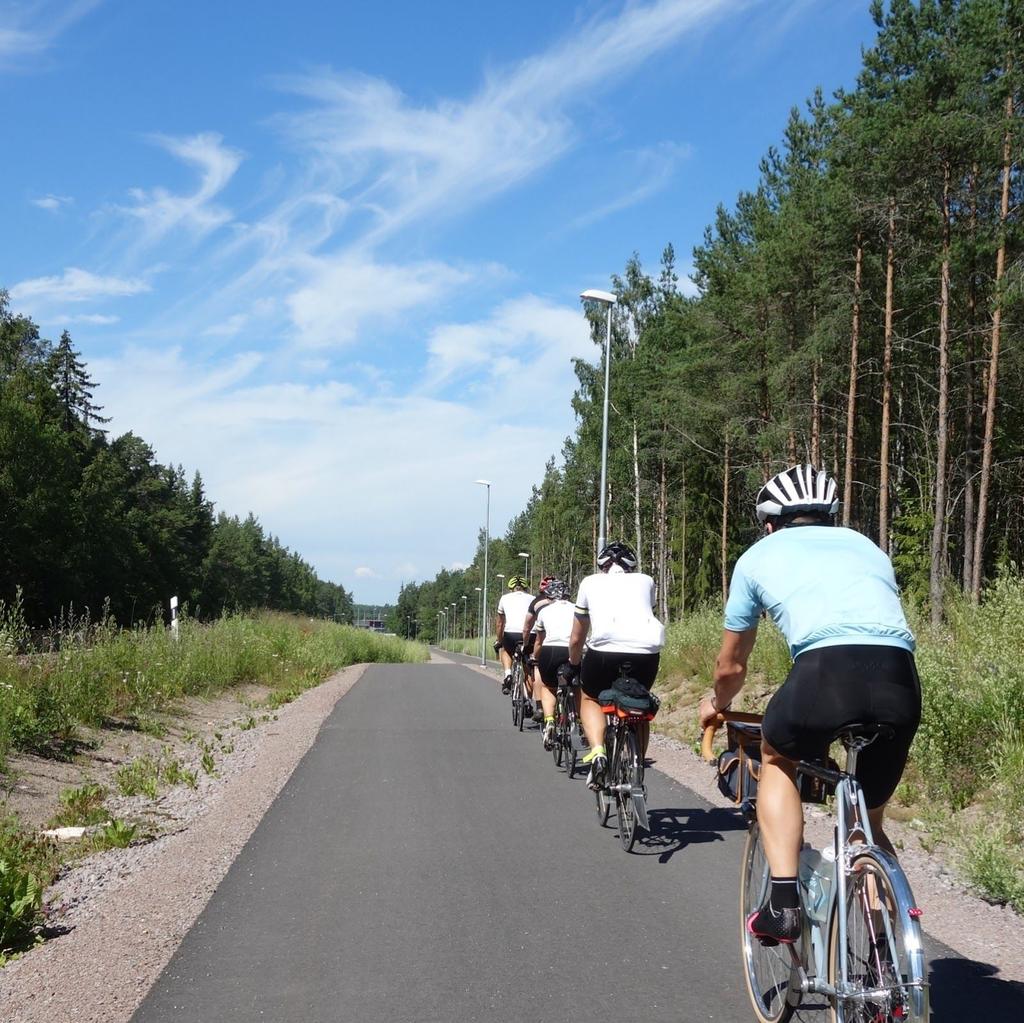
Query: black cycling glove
568	671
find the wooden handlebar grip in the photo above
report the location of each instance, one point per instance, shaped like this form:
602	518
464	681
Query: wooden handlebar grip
706	741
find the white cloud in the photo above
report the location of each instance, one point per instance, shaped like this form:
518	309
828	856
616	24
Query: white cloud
343	293
362	572
52	203
526	341
161	211
93	319
403	162
346	479
28	30
77	285
229	327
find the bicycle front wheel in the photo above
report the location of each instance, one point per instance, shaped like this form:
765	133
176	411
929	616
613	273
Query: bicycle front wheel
626	776
883	952
768	971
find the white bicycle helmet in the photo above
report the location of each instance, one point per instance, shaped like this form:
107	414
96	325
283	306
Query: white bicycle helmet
618	553
800	489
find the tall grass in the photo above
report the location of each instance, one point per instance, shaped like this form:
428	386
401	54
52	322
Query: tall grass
966	766
99	672
471	647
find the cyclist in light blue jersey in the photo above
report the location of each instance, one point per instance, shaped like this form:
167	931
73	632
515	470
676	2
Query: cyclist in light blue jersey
833	595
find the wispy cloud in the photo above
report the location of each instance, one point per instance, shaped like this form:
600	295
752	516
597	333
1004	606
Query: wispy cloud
403	162
651	170
524	339
345	292
161	211
52	203
29	29
76	285
92	319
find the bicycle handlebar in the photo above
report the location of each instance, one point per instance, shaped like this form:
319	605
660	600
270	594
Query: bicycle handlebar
722	718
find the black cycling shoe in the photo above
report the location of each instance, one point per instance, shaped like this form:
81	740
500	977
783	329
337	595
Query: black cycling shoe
775	926
506	685
538	713
598	769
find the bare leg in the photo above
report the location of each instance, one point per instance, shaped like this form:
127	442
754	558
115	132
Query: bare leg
881	838
547	699
506	660
592	718
779	812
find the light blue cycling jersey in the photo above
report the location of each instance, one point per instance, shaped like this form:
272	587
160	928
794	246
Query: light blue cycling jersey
822	586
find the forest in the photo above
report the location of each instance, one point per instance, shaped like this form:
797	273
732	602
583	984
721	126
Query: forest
859	309
92	526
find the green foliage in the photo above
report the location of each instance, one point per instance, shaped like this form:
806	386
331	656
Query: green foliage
139	778
27	866
80	807
117	834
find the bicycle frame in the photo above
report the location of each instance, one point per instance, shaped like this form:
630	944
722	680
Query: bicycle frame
851	818
618	722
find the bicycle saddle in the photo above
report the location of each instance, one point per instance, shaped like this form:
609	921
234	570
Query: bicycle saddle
863	733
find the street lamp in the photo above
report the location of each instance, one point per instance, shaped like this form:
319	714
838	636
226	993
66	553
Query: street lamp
465	616
483	595
454	634
444	626
523	554
608	299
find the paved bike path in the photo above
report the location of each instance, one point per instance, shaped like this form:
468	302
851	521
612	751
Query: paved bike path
397	877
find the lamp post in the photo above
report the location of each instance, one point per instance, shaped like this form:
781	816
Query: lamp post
444	626
465	616
483	595
608	299
454	634
523	554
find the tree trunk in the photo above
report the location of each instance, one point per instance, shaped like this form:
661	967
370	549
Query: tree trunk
662	553
682	550
993	368
883	455
851	400
967	566
938	551
725	523
815	416
636	497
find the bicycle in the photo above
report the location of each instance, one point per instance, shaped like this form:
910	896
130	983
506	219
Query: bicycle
518	689
861	945
566	747
624	783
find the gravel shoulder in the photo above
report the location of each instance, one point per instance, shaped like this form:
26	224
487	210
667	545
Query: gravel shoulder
126	910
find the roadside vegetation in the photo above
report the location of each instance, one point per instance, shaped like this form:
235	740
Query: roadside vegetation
968	757
83	676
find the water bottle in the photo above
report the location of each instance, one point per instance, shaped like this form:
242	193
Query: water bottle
816	871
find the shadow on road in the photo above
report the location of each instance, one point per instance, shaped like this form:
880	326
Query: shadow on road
673	829
964	989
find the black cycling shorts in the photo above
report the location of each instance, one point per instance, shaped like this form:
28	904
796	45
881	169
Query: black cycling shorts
835	686
510	641
547	664
600	669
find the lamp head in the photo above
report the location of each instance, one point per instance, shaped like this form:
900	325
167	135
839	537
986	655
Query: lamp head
595	295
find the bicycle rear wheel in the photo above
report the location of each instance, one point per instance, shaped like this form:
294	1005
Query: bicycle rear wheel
626	775
558	749
885	964
521	697
768	971
571	753
517	696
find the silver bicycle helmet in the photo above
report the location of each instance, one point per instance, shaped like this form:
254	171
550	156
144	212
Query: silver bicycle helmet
799	489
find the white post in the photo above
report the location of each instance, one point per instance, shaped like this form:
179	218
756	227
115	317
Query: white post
174	618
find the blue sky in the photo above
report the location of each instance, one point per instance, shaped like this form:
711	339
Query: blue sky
329	254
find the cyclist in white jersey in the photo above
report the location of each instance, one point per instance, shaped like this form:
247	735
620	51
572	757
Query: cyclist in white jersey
616	607
833	595
508	624
553	629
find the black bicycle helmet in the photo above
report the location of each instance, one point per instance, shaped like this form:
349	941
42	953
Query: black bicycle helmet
558	589
617	553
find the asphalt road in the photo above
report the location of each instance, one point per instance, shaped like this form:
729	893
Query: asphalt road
426	862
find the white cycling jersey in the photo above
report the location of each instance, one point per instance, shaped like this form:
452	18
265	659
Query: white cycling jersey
554	622
515	605
621	610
